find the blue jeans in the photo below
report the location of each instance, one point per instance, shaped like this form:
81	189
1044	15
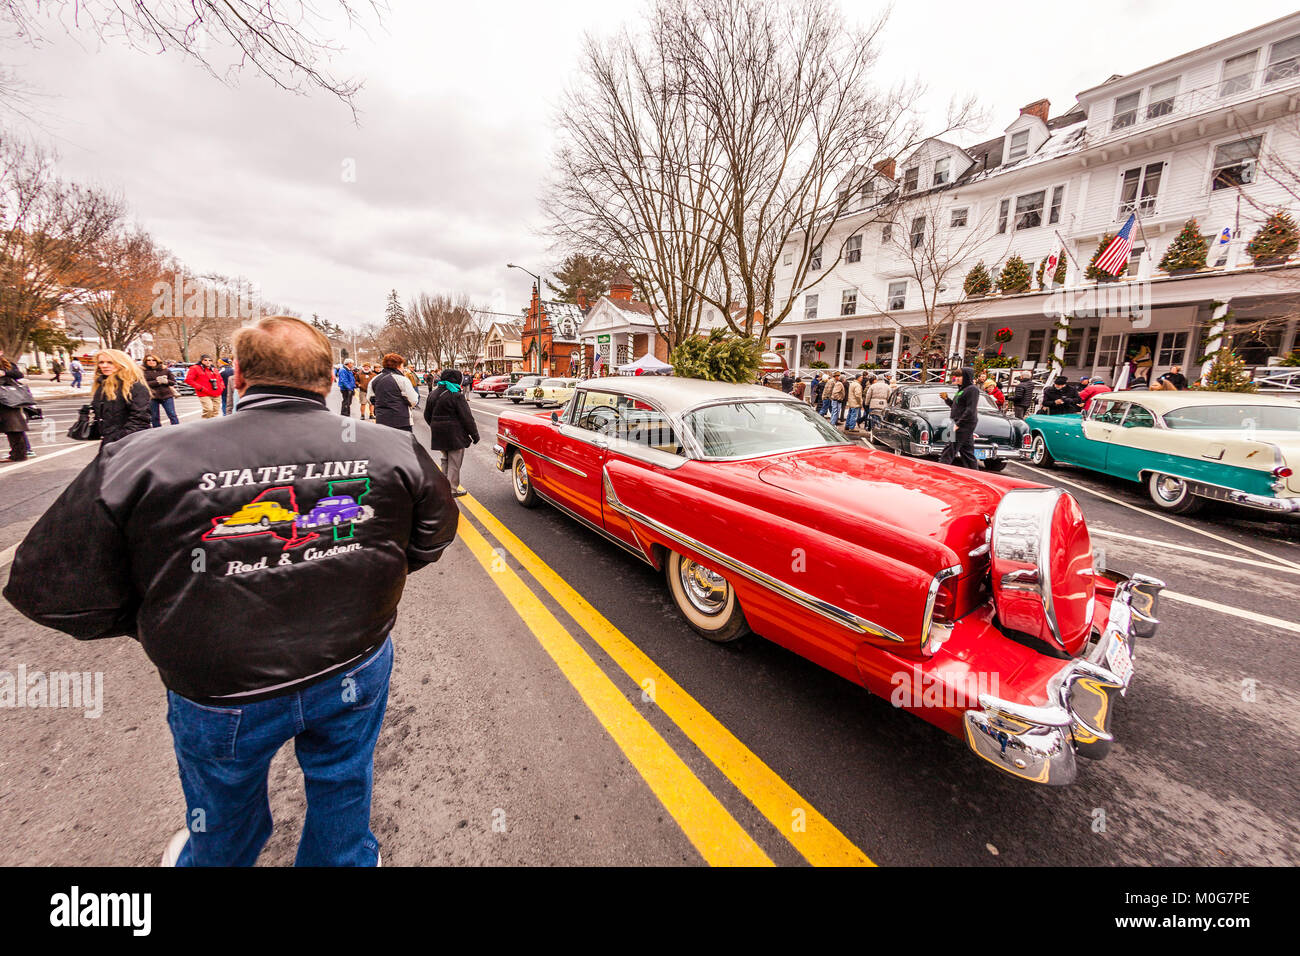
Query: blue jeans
166	404
76	378
224	754
837	409
853	418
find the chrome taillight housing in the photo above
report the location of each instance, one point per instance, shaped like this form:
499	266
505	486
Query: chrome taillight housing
1041	563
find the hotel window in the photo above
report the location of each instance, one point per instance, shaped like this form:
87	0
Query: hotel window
1234	163
1283	60
1019	145
1143	182
884	346
941	170
1058	200
810	307
911	178
1238	74
1172	347
1126	110
849	302
886	232
868	192
1160	98
959	218
1107	351
1029	210
897	295
1034	350
853	248
816	261
1134	261
1003	210
918	231
973	340
1076	344
788	260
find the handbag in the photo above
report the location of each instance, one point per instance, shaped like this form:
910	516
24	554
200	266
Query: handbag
85	428
16	395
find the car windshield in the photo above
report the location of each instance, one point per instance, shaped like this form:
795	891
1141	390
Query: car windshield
529	380
928	399
747	429
1266	417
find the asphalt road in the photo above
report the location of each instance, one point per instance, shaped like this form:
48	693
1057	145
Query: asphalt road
517	731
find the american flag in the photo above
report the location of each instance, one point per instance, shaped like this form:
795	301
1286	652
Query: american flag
1114	258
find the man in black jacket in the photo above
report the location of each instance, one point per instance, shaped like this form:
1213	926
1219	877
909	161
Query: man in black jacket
965	416
1022	396
259	559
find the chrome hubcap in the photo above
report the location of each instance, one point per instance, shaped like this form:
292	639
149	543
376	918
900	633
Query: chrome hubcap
520	472
705	588
1039	447
1169	489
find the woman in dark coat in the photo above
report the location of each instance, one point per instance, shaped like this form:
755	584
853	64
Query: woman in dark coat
162	396
451	426
120	398
13	421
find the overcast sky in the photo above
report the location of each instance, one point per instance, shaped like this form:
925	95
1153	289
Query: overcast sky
454	137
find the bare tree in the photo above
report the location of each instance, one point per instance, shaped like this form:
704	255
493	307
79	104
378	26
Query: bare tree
285	41
633	175
933	257
431	330
50	230
123	309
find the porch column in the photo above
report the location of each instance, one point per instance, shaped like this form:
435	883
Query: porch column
1058	350
844	338
893	359
798	352
1214	339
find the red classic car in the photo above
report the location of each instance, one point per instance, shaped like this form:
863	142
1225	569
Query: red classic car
492	385
967	598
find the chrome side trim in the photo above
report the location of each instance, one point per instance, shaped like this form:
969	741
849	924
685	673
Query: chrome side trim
594	527
611	500
827	610
558	464
930	597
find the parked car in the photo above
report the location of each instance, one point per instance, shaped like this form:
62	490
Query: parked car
917	422
180	370
1186	447
553	391
492	385
330	511
975	594
522	389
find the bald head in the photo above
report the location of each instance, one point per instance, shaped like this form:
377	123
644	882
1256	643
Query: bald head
283	351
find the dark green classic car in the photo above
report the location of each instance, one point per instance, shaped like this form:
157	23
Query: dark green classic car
916	422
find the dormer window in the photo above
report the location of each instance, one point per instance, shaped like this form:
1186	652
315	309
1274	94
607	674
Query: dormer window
1283	60
1238	74
1126	110
1160	98
1019	145
941	170
911	178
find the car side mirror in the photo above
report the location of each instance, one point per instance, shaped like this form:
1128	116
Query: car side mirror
555	418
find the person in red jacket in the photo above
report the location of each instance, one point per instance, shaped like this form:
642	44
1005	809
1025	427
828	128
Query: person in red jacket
207	384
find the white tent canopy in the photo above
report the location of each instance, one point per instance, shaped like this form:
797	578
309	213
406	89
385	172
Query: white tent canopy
646	364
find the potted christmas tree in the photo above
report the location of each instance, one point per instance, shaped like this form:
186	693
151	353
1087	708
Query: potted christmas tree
1187	252
1276	241
1228	373
1092	272
1015	276
977	282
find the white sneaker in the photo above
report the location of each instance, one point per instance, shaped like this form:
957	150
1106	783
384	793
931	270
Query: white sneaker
174	847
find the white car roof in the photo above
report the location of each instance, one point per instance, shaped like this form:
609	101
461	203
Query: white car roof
1165	401
677	395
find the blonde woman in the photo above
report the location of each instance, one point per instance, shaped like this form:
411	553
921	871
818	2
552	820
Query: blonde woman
120	398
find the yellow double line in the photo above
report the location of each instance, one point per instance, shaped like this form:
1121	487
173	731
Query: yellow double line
710	827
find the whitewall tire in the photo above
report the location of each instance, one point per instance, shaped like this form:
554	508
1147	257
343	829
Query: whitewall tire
705	598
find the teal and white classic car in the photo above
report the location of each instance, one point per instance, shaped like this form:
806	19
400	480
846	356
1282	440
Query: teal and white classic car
1184	446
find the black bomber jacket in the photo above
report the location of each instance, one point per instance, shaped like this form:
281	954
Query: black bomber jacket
249	555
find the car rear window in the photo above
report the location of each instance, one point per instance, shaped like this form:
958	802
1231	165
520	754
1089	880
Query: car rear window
1266	417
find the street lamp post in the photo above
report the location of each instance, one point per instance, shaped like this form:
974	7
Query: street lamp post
540	330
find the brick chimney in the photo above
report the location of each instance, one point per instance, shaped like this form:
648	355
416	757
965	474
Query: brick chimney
620	287
886	168
1039	108
582	300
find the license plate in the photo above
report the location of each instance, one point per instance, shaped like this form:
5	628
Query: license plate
981	454
1118	660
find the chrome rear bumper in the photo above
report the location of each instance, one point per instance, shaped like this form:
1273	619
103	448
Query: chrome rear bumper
1039	744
